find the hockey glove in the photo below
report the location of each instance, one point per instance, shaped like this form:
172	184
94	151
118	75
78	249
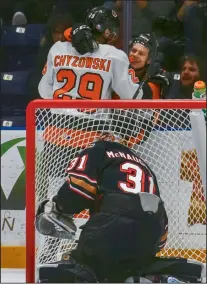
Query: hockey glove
161	77
82	39
52	222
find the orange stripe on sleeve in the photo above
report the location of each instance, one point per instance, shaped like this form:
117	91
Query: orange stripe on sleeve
83	184
164	237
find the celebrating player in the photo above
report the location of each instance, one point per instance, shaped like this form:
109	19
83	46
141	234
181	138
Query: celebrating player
86	66
83	67
128	222
140	53
140	57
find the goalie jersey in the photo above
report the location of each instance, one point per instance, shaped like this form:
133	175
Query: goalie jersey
107	177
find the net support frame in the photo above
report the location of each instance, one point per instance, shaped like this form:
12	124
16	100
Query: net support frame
199	138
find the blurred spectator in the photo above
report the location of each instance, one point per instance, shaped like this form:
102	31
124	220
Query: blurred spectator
34	11
158	16
193	15
192	69
171	40
19	19
77	9
144	12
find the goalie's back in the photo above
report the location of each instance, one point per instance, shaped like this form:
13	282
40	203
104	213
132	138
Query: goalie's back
116	172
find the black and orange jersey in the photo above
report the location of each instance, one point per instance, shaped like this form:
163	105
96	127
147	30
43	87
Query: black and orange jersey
112	176
151	90
138	131
113	172
108	167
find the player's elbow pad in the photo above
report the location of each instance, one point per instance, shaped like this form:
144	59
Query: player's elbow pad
70	202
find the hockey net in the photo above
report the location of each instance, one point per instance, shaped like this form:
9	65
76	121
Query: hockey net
159	131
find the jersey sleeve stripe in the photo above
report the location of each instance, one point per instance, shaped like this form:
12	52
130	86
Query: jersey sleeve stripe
164	237
83	176
83	184
162	245
163	240
80	192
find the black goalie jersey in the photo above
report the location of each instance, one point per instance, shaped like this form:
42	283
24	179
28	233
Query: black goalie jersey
109	167
108	174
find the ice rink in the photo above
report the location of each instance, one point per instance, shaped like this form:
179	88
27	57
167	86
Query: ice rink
12	275
18	275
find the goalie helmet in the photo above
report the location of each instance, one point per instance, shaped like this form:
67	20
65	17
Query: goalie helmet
133	126
102	19
110	136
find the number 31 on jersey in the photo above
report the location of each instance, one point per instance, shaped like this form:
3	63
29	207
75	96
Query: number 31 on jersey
135	177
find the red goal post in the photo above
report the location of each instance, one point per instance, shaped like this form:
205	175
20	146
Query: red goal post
170	113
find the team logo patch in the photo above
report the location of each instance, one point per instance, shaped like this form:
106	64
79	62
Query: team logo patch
114	14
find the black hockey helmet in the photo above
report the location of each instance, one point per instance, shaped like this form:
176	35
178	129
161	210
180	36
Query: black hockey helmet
143	39
101	19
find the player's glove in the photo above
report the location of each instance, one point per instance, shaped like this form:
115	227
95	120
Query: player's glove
52	222
82	39
161	77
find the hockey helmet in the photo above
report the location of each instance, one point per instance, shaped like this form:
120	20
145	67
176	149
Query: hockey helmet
101	19
143	39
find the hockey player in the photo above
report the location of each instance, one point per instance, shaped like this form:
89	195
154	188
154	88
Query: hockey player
83	67
140	57
128	222
86	66
140	53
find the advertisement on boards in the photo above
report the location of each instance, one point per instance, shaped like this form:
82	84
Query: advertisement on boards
13	156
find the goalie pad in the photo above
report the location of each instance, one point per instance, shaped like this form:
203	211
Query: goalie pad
187	271
163	269
53	223
66	272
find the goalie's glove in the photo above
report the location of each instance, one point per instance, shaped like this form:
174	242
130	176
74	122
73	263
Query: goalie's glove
52	222
161	77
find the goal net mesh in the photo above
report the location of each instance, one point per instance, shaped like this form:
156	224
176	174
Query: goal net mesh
163	138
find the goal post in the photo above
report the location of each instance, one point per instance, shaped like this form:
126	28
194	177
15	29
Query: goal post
160	131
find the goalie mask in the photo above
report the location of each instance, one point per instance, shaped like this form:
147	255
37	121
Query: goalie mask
110	136
133	126
103	20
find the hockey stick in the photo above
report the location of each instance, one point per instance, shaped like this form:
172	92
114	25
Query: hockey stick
152	65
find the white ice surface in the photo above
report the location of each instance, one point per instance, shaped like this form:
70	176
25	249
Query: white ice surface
12	275
18	276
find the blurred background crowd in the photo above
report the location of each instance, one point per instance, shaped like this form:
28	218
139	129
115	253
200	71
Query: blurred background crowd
30	27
